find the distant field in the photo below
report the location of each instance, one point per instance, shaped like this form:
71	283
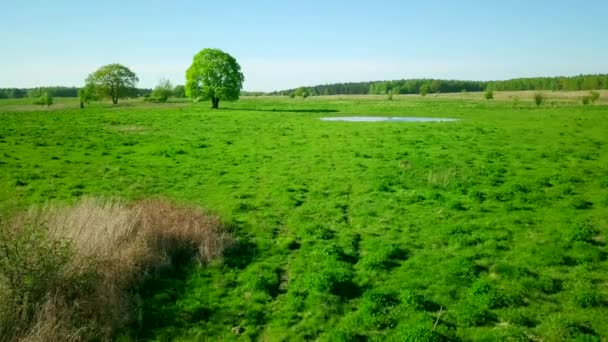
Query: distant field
490	228
514	97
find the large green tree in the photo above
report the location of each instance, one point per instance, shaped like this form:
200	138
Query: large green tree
114	81
214	75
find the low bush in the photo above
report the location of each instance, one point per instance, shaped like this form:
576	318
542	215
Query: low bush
539	98
46	99
162	92
489	94
71	274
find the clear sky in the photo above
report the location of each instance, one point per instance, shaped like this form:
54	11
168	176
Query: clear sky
284	44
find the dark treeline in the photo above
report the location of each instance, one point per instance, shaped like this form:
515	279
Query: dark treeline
418	86
17	93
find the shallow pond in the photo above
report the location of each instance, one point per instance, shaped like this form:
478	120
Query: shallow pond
385	118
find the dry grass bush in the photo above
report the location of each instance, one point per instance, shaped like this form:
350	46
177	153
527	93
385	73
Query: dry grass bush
69	273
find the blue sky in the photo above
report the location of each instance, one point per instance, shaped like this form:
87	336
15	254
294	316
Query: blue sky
284	44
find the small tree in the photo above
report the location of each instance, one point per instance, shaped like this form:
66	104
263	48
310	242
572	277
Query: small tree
424	89
594	96
214	75
489	94
538	99
162	92
302	91
114	81
46	99
86	94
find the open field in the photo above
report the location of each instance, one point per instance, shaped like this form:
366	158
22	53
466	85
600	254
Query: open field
493	227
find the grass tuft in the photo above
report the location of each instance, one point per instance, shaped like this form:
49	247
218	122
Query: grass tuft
72	273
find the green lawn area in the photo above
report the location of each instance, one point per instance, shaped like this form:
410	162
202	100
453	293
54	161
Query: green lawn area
492	227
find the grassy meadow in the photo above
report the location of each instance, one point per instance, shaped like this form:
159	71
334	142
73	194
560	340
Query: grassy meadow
493	227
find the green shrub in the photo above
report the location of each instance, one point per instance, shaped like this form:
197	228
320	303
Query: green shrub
302	91
424	89
539	98
179	91
489	94
162	92
46	99
585	100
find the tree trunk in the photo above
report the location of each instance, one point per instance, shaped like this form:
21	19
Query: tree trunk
81	104
215	102
114	100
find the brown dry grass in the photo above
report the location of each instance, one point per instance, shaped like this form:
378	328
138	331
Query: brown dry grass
85	291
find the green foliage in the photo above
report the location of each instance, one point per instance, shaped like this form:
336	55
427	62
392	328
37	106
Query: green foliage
214	75
346	229
539	98
44	100
162	92
113	81
179	91
87	94
489	94
424	89
302	91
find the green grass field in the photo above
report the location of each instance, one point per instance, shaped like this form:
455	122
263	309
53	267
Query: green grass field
490	228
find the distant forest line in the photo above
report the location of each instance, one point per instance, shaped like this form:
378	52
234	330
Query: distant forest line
417	86
410	86
18	93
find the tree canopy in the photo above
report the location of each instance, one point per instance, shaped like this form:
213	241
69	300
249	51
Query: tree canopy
214	75
114	81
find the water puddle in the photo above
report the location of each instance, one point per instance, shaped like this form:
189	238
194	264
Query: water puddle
385	119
